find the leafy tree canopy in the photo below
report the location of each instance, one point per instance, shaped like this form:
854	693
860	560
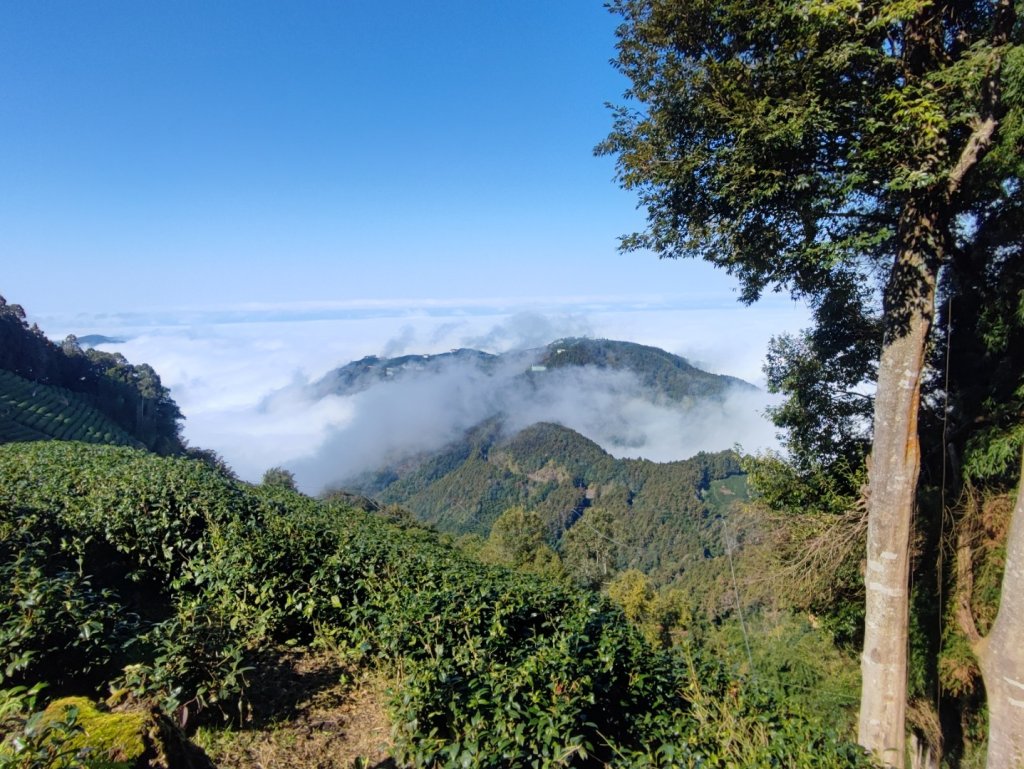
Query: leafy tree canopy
865	157
780	139
278	476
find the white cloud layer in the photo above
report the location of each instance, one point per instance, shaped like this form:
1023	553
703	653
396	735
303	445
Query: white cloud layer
241	384
394	419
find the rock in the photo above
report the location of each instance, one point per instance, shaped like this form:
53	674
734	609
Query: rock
133	738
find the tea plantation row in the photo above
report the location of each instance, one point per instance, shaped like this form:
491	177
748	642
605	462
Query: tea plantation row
32	411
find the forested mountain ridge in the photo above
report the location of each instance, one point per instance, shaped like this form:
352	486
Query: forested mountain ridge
131	401
364	373
668	375
630	399
654	511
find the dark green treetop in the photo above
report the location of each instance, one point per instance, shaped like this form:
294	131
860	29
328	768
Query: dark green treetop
780	139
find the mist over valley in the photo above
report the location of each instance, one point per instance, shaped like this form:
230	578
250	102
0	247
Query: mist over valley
632	400
636	383
254	386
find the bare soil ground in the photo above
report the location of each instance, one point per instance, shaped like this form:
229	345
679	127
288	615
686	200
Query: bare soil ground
309	710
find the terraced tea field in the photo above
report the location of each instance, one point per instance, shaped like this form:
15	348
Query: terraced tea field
30	411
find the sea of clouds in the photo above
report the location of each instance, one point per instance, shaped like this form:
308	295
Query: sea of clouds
242	377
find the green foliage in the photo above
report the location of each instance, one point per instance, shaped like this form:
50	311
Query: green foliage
655	614
590	552
493	667
796	661
993	453
781	485
855	155
54	624
730	723
278	476
632	591
34	739
825	416
517	540
811	536
986	334
734	154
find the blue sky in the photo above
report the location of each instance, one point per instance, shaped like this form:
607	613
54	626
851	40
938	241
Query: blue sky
252	193
163	155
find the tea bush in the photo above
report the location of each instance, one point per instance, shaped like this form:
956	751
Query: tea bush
166	578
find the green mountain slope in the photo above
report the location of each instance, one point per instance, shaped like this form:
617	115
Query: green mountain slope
669	375
366	372
664	374
70	383
656	513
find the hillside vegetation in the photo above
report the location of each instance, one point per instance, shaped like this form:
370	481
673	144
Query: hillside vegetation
167	580
30	411
666	374
654	512
69	384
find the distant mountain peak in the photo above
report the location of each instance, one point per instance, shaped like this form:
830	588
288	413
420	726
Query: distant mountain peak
669	375
362	374
410	419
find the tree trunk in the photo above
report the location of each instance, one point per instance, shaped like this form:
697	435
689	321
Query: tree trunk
892	486
1001	653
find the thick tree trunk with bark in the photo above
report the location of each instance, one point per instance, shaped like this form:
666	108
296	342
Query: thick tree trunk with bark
1002	656
1001	653
892	486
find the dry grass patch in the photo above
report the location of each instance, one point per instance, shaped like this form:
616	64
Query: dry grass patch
309	710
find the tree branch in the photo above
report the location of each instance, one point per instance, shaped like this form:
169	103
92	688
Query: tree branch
974	150
983	129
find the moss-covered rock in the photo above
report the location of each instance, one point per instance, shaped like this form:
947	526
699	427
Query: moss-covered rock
129	739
